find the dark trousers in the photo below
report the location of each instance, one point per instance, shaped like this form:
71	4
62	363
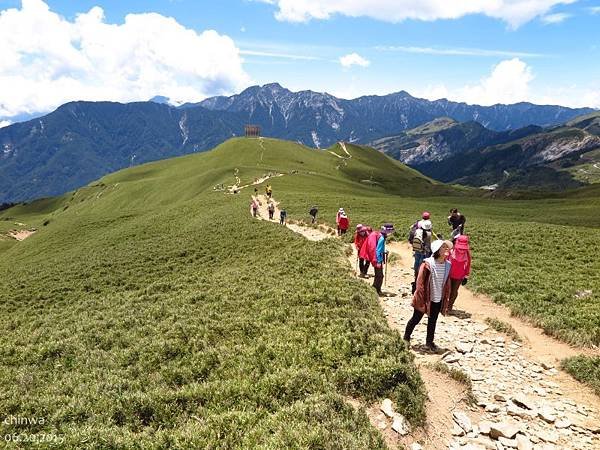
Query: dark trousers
363	265
378	280
281	220
271	215
454	286
314	218
431	322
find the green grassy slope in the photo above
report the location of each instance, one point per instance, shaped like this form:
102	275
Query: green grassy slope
152	311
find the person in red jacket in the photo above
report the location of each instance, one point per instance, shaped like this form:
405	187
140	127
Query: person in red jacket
432	294
360	238
374	250
460	258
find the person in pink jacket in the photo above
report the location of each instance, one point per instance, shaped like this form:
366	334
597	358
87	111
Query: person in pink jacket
460	258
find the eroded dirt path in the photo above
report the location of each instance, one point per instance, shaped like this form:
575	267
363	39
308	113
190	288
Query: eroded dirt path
518	387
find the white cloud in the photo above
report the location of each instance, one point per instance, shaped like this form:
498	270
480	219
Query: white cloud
278	55
353	59
594	9
509	82
513	12
459	51
47	60
550	19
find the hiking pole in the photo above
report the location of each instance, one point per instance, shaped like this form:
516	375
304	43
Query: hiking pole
356	268
385	259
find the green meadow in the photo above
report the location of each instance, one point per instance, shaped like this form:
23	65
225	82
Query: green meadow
151	311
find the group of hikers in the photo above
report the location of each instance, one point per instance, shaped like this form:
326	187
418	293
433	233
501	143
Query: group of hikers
440	267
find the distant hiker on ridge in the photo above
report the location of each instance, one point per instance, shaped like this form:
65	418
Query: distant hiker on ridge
374	248
432	295
342	222
271	209
460	258
282	216
313	213
269	190
360	237
457	221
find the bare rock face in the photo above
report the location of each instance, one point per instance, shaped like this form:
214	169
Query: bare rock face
503	429
462	420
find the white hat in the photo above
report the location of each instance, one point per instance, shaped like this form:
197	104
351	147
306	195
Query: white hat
436	245
425	224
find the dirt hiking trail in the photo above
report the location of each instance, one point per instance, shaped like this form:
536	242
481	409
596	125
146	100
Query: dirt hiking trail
523	399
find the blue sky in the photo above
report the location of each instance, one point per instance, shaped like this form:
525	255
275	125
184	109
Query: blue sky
534	50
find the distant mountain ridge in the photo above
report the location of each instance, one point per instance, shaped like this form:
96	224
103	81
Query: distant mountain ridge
468	153
81	141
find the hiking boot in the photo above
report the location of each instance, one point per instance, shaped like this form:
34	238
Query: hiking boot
406	341
363	275
432	347
380	293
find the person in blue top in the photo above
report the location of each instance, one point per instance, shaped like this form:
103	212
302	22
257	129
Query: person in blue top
377	253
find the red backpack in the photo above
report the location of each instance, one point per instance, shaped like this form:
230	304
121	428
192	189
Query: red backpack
343	223
460	258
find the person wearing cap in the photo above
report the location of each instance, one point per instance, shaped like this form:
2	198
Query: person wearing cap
432	294
313	213
375	250
360	237
460	258
421	245
338	217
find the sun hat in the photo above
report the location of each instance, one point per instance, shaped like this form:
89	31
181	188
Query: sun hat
426	215
359	226
436	245
425	224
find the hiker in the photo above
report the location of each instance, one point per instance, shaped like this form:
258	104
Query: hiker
254	206
256	192
360	238
342	222
432	295
313	213
282	216
421	246
374	248
269	190
457	221
271	209
340	214
460	258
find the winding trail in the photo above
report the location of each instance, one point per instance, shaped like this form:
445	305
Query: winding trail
344	159
560	413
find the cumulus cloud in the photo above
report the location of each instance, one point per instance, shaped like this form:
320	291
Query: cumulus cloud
513	12
509	82
550	19
353	59
47	60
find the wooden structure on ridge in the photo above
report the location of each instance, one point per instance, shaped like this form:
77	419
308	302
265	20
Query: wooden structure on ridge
252	130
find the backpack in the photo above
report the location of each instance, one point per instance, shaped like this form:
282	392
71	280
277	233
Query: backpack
411	233
418	241
271	207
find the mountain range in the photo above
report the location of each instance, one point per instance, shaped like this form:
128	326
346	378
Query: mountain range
82	141
557	157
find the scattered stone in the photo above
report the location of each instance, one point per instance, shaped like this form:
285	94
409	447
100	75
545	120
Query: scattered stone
523	401
452	358
492	408
457	431
523	442
416	446
583	293
484	427
462	421
387	407
547	366
547	414
484	442
549	436
562	423
510	443
464	347
500	397
503	429
514	410
400	425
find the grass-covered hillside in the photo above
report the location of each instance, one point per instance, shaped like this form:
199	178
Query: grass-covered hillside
149	310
